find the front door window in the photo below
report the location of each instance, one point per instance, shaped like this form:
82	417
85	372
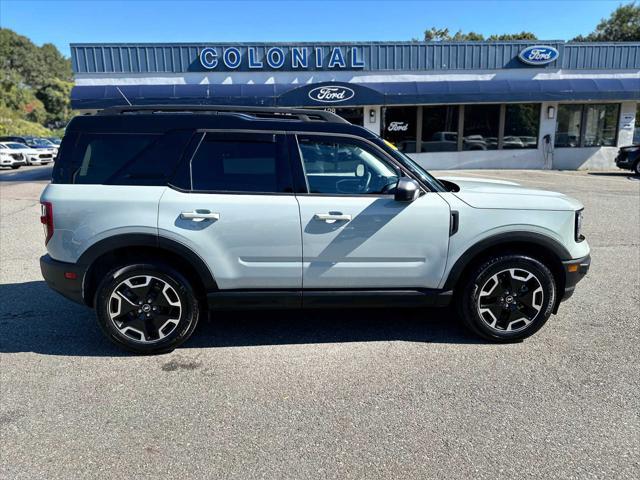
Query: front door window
342	166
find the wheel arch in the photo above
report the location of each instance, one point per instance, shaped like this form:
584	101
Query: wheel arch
103	255
541	247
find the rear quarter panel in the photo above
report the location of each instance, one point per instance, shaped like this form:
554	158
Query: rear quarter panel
86	214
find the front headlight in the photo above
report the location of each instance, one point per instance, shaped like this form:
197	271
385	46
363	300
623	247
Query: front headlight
579	219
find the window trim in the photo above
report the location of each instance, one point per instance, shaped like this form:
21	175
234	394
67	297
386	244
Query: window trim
280	141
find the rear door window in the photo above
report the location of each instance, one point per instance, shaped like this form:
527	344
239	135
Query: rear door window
241	162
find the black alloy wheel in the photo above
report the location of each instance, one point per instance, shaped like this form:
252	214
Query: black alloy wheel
508	298
146	308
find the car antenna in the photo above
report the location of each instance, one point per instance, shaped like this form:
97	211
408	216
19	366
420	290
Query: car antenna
124	96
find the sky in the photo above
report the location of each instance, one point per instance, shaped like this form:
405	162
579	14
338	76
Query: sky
79	21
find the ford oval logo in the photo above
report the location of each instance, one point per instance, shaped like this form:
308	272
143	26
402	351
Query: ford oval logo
538	55
331	94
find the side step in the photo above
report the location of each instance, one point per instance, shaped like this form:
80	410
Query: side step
285	299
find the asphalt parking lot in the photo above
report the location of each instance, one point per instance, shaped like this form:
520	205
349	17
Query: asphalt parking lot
347	394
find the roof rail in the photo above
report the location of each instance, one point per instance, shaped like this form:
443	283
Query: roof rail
278	113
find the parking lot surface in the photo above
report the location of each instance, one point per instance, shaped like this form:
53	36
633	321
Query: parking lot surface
346	394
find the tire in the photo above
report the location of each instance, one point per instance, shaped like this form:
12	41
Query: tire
636	168
508	298
140	326
15	167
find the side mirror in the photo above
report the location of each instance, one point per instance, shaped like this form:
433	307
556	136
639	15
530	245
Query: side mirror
407	190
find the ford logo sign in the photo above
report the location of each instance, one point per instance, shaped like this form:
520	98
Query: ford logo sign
538	55
331	94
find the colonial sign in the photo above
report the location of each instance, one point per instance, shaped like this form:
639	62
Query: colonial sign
538	55
286	57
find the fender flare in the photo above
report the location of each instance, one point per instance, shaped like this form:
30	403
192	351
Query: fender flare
523	237
95	251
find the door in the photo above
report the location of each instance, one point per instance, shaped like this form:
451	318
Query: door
354	234
240	215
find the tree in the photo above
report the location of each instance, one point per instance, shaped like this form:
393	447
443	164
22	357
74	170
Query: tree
623	25
442	35
505	37
35	83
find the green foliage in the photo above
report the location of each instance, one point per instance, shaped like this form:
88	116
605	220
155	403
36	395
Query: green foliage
623	25
506	37
35	86
12	123
443	35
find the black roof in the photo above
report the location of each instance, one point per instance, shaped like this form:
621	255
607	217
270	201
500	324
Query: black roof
160	119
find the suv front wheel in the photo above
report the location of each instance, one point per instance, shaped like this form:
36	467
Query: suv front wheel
146	308
508	298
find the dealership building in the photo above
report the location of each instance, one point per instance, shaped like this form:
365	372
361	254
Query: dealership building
521	104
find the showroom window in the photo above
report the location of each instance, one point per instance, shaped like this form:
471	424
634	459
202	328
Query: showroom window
587	125
601	125
569	126
440	128
452	128
400	127
481	126
521	123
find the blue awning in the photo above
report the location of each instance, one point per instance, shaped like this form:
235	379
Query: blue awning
387	93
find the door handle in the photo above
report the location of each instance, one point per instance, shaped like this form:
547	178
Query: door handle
200	215
332	217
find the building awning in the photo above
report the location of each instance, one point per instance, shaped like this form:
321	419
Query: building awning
354	94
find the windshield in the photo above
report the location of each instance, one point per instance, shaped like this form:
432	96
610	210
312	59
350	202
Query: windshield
15	146
412	166
39	142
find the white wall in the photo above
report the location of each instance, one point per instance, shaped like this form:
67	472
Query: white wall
530	158
628	122
376	125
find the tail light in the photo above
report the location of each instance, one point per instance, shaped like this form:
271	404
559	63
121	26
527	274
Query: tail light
46	218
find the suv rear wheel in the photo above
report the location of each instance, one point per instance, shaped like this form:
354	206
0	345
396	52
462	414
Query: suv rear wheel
146	308
508	298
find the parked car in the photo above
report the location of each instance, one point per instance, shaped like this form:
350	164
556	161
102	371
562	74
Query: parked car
11	159
157	216
32	156
512	142
55	140
33	142
629	158
448	142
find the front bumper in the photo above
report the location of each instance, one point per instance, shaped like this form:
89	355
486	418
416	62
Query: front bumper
59	277
575	270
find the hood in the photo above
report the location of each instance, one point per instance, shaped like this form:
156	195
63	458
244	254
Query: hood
27	151
488	193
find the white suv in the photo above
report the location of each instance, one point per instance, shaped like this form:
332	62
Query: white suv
156	215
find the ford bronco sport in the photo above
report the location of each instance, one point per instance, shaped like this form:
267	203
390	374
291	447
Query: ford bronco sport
156	215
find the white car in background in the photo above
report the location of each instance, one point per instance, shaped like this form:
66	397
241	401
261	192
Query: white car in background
10	159
33	156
